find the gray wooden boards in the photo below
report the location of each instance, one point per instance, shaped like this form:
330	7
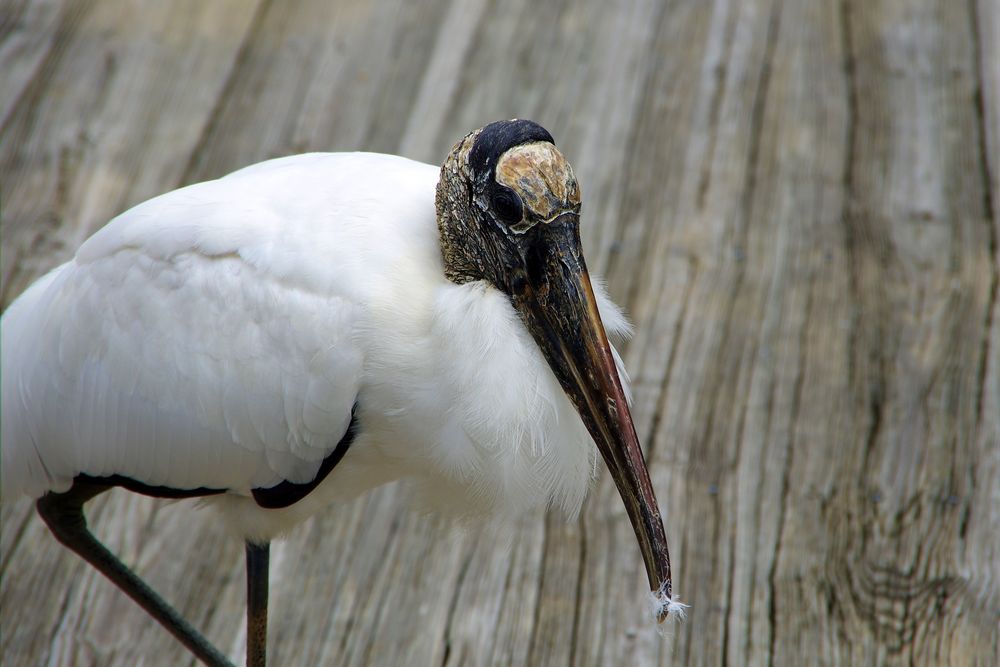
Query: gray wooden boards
797	202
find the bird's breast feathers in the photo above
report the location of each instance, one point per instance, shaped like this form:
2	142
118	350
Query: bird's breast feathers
479	413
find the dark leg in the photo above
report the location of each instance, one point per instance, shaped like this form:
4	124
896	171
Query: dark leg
257	563
63	512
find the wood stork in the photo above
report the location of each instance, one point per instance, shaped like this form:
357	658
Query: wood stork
311	327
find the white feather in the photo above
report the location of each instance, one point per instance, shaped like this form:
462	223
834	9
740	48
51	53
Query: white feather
219	335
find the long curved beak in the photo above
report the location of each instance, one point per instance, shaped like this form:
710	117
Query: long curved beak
556	301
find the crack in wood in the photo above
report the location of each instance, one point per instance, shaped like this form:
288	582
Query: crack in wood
988	204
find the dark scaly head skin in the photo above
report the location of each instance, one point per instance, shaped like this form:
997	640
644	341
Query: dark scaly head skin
508	208
543	181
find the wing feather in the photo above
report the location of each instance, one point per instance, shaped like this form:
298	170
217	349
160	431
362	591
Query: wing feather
183	347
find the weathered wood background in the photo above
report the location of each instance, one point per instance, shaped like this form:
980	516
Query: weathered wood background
796	200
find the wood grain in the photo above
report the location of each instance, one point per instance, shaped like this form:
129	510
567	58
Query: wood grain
797	202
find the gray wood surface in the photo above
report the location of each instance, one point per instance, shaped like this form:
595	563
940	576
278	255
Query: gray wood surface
797	201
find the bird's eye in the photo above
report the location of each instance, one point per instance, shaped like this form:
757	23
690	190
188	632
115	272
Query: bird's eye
507	205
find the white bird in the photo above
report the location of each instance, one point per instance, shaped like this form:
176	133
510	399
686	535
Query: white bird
308	328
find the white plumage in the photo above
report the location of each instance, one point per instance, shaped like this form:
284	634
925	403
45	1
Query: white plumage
218	336
309	328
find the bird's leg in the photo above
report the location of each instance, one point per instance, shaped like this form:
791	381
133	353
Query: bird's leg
257	565
63	513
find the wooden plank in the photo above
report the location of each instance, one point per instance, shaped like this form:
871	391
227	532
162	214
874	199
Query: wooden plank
320	76
918	239
31	34
984	515
795	201
109	120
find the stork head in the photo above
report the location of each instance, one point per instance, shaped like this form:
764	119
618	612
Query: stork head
508	208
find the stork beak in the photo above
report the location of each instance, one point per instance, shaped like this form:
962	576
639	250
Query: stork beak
555	298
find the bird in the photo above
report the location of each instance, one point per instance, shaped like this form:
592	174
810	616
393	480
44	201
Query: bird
300	331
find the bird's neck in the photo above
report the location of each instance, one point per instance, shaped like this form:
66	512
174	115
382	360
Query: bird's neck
464	261
459	267
467	256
